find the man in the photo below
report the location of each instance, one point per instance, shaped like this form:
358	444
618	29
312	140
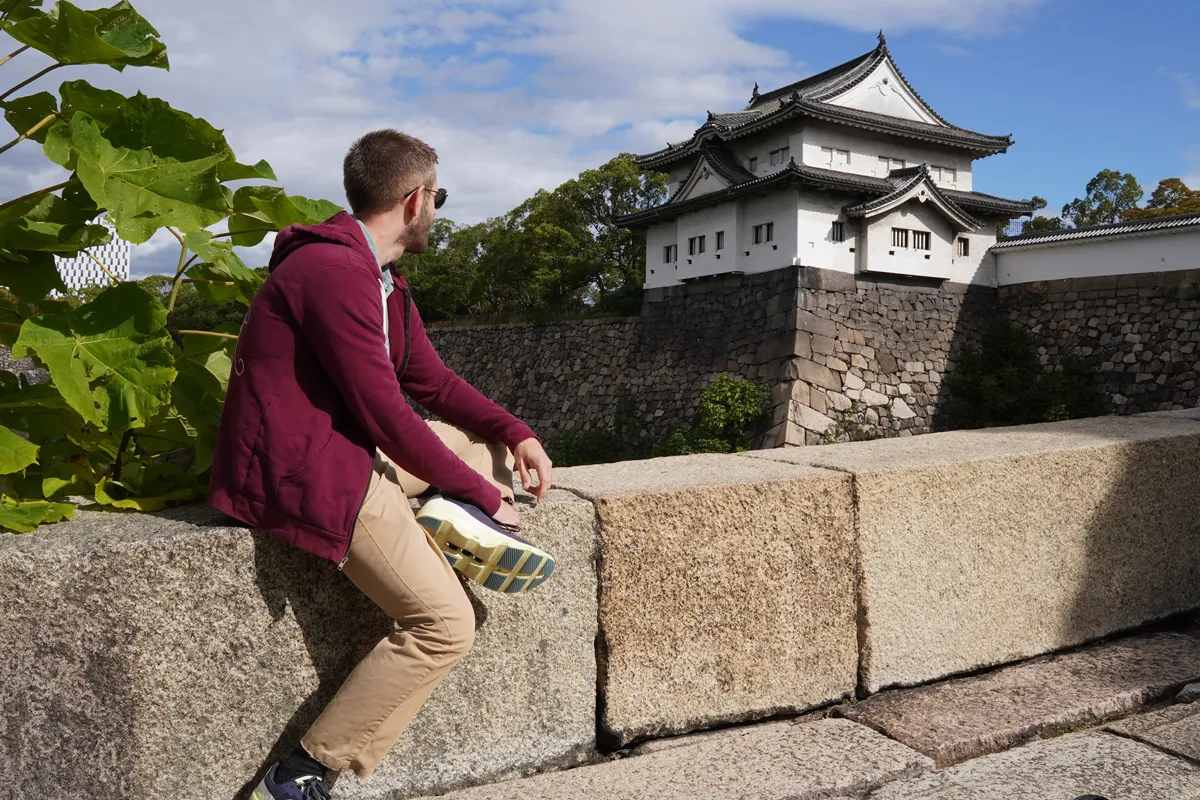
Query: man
318	446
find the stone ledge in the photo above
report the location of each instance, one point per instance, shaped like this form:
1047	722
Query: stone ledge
171	655
979	548
726	590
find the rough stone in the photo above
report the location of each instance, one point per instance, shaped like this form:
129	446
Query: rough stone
813	420
968	717
900	410
168	655
817	375
804	761
874	399
676	654
986	511
1175	729
855	382
1065	767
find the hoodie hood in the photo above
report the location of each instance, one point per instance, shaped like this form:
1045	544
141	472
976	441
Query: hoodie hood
341	229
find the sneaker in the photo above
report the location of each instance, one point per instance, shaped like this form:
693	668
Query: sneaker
488	552
306	787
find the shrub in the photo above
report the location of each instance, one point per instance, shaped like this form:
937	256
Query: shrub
1001	383
728	408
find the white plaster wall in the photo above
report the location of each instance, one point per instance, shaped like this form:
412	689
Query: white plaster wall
878	255
866	148
884	93
817	211
780	207
659	236
678	173
704	185
706	222
1155	253
761	145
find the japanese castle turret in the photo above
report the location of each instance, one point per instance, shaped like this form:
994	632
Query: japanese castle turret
849	170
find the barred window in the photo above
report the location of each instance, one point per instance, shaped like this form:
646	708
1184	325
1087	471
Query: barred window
920	240
899	237
838	234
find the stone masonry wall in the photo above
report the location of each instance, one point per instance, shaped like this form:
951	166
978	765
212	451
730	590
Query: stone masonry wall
572	376
883	345
1137	334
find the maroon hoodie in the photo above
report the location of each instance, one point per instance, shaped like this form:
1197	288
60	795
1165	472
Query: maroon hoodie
314	390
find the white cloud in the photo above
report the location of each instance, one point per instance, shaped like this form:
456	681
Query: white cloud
958	51
1188	88
515	95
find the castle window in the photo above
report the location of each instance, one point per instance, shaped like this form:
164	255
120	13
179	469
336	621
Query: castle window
832	157
838	234
670	253
920	240
700	249
899	237
780	156
964	247
720	240
764	233
890	164
752	164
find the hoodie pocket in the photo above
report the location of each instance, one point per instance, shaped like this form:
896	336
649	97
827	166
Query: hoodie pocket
307	466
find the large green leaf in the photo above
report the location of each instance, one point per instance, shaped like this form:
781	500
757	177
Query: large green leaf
15	453
221	266
7	6
11	313
25	516
116	36
67	469
30	281
23	113
199	393
51	224
111	359
143	192
153	489
102	105
258	210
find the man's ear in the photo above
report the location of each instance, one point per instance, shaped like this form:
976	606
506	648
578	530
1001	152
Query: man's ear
412	203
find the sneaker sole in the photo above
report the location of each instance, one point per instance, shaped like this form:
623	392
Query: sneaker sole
490	559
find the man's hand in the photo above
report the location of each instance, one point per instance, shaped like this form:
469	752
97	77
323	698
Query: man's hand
529	455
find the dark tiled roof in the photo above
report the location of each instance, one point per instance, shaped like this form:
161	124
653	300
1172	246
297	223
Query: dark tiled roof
905	180
870	188
1134	226
807	98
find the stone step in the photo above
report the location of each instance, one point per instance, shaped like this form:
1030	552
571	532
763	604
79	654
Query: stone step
1059	769
831	758
969	717
1175	729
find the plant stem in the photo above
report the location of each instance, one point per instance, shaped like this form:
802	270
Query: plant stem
245	232
177	282
29	132
13	54
11	326
116	473
47	190
204	333
100	263
213	283
25	83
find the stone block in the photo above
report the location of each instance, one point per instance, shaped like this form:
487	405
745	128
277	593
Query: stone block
814	373
170	655
1097	518
808	321
787	761
695	629
1066	767
1175	729
968	717
813	420
873	398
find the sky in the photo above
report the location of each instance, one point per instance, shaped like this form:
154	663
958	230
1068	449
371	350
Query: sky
519	95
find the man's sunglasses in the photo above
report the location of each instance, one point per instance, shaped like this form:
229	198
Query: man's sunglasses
439	197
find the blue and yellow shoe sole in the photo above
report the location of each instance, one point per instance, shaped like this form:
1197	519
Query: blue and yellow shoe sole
489	558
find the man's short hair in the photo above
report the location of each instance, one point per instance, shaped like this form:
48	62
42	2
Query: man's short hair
382	166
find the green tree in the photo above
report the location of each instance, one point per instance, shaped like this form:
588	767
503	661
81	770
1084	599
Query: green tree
130	414
1172	196
1110	195
1041	224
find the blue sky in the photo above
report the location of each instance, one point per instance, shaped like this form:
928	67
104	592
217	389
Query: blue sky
518	95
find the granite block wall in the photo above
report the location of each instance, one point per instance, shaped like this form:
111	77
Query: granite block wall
877	350
1137	334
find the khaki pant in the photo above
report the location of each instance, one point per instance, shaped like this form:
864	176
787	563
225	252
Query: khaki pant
397	564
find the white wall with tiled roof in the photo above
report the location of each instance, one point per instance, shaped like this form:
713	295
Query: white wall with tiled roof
1157	251
866	148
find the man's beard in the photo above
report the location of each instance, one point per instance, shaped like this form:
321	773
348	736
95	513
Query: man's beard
415	238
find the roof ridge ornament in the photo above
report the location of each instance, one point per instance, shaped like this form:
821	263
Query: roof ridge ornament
882	40
754	93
